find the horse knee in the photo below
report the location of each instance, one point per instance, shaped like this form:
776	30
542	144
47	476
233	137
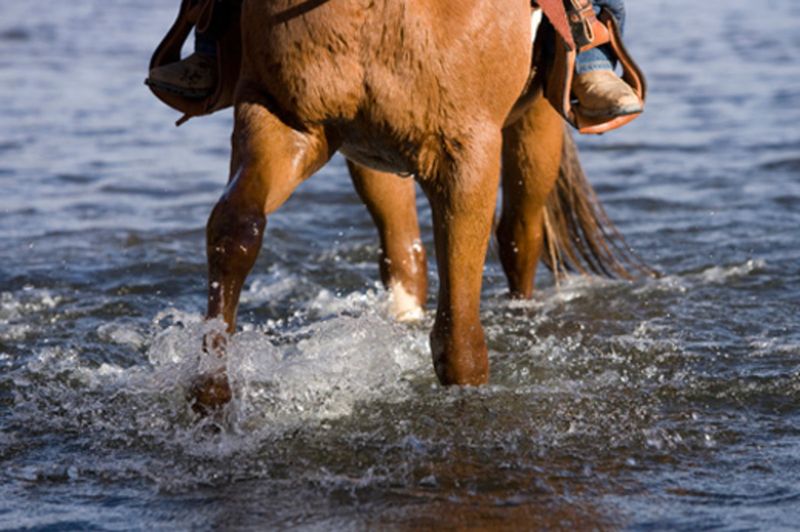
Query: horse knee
233	237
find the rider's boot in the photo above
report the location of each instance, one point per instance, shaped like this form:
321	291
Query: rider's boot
192	77
602	94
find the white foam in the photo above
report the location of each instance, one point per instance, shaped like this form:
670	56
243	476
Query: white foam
281	378
277	287
16	311
122	334
720	274
357	354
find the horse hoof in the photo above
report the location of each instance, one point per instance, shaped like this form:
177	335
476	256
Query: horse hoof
210	392
460	360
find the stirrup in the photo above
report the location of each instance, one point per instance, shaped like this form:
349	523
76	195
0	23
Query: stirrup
204	16
590	31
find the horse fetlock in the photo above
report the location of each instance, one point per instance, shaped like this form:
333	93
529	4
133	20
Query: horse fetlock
460	359
405	306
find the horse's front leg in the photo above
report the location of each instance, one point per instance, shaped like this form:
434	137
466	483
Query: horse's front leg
462	198
391	201
270	159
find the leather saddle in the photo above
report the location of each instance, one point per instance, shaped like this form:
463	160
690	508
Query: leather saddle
577	29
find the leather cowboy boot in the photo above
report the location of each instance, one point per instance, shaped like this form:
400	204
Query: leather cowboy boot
192	77
601	93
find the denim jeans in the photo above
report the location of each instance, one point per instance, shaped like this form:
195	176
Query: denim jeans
602	58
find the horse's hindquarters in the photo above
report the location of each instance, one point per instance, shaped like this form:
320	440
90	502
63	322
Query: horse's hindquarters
307	55
390	75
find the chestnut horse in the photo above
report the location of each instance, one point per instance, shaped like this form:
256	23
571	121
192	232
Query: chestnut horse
422	88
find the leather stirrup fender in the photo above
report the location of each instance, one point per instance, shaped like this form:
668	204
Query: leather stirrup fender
558	90
557	16
219	19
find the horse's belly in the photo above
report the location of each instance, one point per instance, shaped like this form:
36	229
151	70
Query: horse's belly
379	153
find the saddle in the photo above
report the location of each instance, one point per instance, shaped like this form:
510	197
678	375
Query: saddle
577	29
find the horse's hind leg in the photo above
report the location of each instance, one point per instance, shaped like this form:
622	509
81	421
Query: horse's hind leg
391	202
532	148
462	198
270	159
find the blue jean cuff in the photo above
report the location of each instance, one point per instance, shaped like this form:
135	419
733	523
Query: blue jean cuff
592	66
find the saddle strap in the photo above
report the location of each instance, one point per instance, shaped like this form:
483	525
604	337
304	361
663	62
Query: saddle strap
581	17
215	18
558	90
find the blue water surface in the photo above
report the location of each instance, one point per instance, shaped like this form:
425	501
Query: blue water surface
666	403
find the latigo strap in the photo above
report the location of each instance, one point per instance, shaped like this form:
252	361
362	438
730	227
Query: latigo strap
580	14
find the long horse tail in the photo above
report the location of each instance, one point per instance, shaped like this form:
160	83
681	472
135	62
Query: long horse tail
579	237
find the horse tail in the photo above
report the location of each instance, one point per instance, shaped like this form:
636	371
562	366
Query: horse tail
579	237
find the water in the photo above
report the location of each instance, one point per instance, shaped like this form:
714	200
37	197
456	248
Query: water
658	404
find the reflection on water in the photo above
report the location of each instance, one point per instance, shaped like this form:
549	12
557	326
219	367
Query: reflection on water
665	403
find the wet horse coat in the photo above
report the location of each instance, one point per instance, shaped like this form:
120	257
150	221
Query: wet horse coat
417	87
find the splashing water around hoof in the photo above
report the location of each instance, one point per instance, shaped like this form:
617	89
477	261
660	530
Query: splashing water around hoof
210	392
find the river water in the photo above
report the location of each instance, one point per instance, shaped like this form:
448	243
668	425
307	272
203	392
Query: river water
656	404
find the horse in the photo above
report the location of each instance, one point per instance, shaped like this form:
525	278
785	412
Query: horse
439	90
